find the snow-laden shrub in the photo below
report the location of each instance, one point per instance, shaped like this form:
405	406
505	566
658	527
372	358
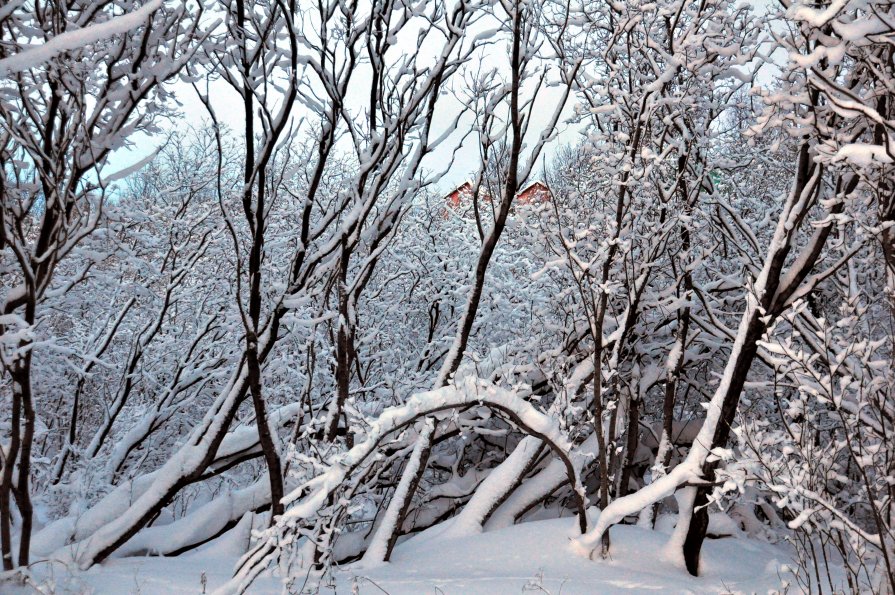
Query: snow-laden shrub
824	450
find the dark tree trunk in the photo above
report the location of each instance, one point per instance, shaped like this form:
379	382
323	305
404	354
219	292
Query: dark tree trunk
700	520
268	446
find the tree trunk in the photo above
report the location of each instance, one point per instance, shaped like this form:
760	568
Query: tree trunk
268	445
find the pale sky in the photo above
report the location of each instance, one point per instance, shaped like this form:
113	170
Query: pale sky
228	107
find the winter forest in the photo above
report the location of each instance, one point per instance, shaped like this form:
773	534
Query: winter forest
278	316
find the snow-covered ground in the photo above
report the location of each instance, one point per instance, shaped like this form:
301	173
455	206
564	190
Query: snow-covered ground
531	557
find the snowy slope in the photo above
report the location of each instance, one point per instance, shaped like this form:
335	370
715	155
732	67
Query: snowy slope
531	557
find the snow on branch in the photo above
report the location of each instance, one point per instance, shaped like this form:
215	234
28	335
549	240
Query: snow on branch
71	40
318	494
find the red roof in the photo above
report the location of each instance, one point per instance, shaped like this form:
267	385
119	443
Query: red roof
461	192
535	192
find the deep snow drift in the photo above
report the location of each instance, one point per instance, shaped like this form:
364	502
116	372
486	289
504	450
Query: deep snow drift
531	557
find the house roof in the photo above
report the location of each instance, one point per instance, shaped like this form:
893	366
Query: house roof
534	190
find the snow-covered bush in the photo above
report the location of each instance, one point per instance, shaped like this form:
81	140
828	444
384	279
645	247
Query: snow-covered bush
823	451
